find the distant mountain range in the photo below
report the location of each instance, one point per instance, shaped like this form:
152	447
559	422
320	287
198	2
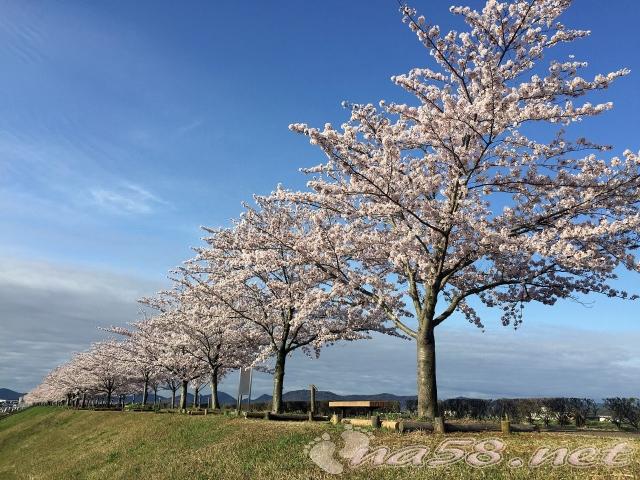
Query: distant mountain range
6	394
223	398
322	395
226	399
292	396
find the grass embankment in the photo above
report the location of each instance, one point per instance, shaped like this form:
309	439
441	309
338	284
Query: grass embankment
54	443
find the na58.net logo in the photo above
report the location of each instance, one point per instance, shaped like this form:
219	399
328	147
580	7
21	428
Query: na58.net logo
353	450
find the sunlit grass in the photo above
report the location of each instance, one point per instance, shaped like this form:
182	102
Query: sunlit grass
53	443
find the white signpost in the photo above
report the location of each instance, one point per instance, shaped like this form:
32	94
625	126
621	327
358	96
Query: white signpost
244	388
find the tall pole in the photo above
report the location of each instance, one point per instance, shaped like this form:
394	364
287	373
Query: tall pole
250	382
239	401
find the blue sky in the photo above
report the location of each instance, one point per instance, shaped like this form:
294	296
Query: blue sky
124	126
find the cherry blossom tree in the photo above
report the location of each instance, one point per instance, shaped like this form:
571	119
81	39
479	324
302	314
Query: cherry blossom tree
45	393
138	365
211	333
252	270
160	341
103	368
172	384
454	201
63	383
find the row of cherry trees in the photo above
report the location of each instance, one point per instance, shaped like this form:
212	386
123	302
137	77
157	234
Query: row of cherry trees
249	295
472	195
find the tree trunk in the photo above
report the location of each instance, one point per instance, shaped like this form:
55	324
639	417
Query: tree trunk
427	388
278	381
214	389
196	404
173	398
183	395
145	390
84	399
109	398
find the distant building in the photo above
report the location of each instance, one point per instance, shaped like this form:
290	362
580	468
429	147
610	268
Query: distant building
8	405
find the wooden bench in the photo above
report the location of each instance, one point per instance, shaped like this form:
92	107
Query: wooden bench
368	405
197	412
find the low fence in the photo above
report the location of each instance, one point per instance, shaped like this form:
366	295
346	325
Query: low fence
4	415
504	427
297	417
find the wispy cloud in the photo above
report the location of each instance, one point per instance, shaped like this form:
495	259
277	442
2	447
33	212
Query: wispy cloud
58	170
23	35
190	126
127	198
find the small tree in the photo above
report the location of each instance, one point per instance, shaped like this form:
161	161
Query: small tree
508	407
624	410
560	408
171	384
580	408
529	409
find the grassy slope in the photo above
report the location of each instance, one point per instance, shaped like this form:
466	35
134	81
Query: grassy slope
51	443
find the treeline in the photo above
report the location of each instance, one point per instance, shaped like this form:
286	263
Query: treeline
560	410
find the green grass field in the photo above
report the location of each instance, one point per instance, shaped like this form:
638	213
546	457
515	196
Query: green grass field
55	443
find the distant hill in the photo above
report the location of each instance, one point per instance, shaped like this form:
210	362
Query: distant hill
261	399
6	394
223	398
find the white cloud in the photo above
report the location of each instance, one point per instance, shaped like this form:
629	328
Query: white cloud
48	311
541	361
37	275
